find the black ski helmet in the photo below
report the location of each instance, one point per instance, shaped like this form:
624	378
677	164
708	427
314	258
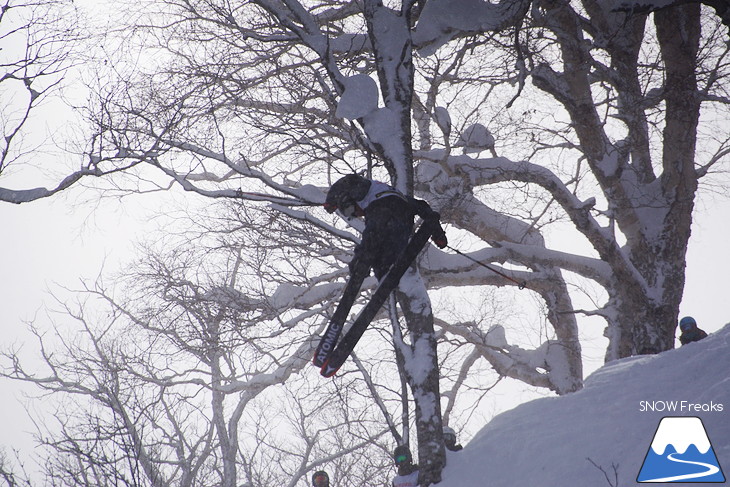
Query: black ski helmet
402	455
320	479
345	192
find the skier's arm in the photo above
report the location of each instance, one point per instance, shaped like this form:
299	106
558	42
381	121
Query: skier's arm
424	210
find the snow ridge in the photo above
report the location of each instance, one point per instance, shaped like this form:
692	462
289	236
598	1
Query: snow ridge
574	439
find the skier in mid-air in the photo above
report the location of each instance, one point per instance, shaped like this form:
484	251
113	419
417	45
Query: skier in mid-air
388	220
386	247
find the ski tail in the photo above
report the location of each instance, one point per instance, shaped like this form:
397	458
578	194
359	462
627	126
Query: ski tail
390	281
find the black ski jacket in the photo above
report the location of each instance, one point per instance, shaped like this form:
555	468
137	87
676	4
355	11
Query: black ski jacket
388	226
692	335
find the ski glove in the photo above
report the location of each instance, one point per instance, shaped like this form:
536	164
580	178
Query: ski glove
440	239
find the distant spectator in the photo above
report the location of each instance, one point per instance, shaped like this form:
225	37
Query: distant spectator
690	332
407	471
320	479
450	439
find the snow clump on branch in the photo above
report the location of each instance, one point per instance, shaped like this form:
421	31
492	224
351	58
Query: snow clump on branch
359	99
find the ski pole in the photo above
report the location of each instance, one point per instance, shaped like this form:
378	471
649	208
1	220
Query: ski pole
520	284
275	199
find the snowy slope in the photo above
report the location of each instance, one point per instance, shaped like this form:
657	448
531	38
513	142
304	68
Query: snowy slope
552	441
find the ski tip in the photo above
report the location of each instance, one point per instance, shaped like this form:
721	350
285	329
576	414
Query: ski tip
328	370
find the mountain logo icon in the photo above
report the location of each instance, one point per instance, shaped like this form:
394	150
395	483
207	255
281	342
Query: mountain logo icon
681	452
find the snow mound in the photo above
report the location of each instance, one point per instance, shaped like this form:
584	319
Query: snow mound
581	438
443	119
496	337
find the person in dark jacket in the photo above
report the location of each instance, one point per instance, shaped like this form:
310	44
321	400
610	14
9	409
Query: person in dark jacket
388	217
450	440
407	471
690	331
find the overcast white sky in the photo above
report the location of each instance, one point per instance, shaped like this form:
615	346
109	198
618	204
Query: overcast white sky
44	245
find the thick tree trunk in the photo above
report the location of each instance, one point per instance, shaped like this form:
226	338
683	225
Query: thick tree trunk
648	323
422	373
654	213
390	37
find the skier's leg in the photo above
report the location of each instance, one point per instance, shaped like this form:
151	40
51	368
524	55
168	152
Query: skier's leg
388	240
387	285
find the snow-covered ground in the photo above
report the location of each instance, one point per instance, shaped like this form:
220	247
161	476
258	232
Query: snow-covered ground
601	435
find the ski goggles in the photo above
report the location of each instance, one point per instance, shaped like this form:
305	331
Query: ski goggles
347	210
401	459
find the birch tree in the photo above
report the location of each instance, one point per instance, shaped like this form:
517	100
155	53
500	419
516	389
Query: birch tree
283	118
507	117
178	382
632	115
